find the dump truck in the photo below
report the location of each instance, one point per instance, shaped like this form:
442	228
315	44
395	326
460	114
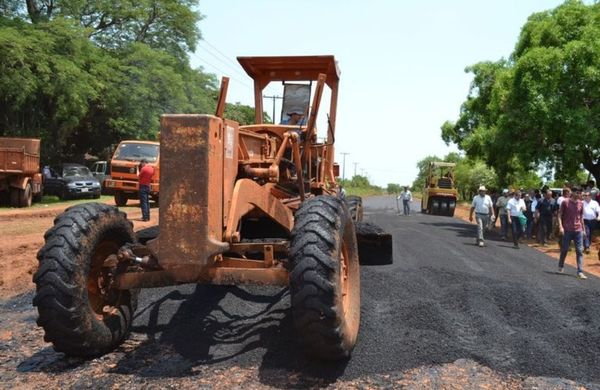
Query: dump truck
439	194
20	177
255	204
124	168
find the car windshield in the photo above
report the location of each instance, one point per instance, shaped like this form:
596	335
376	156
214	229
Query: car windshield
76	171
136	151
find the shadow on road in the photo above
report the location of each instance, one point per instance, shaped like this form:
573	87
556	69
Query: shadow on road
207	329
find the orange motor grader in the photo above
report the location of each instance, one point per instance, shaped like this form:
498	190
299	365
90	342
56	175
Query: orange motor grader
254	204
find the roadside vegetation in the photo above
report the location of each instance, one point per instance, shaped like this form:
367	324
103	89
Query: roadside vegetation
534	115
361	186
83	76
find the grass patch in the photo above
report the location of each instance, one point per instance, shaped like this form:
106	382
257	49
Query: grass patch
51	200
363	192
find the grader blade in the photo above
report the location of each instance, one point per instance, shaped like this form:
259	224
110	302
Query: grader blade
374	244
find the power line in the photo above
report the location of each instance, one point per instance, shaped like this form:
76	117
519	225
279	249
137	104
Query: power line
268	89
227	64
219	70
344	165
219	51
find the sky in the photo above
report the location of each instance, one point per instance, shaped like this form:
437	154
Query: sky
402	65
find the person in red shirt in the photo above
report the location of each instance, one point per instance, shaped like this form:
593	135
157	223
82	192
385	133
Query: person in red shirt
570	224
145	177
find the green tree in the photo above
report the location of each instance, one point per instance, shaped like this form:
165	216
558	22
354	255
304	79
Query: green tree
470	174
243	114
540	108
393	188
170	25
423	167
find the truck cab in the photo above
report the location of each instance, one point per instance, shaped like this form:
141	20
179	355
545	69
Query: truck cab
101	171
124	168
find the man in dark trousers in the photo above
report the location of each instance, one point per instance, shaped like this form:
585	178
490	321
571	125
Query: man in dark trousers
570	224
145	176
544	211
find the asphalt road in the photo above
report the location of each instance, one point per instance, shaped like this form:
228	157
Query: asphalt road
443	301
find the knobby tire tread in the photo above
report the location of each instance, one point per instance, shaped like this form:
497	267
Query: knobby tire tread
61	281
316	237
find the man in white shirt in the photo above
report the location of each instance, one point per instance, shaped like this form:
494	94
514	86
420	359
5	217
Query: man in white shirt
406	197
566	193
591	214
484	210
501	205
515	208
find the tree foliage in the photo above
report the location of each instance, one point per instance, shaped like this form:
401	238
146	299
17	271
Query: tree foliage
169	25
83	75
469	174
423	167
541	107
393	188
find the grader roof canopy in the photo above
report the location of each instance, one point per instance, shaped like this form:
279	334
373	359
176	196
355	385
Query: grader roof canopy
435	164
293	68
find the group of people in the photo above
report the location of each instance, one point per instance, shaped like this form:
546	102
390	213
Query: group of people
575	213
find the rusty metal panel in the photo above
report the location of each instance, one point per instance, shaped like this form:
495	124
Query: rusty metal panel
191	190
30	145
19	155
230	163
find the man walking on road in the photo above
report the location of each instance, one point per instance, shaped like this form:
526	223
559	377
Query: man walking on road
515	208
570	225
591	215
544	211
406	197
484	210
145	176
502	213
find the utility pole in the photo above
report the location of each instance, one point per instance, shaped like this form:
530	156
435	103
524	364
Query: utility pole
344	165
355	164
273	97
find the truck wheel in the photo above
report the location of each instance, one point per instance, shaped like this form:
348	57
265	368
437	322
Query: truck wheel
38	196
80	313
26	196
120	199
324	278
14	197
355	207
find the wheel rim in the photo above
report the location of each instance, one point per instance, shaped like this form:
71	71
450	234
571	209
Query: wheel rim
344	284
98	280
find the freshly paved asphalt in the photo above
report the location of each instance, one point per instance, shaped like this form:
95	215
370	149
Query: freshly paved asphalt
443	299
484	311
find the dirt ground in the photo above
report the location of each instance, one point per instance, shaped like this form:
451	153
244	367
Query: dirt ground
591	261
22	235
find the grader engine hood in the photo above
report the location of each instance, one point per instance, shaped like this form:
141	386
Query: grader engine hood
194	150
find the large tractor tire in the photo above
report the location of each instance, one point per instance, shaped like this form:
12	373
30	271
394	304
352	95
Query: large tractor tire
79	311
325	279
120	199
147	234
355	207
